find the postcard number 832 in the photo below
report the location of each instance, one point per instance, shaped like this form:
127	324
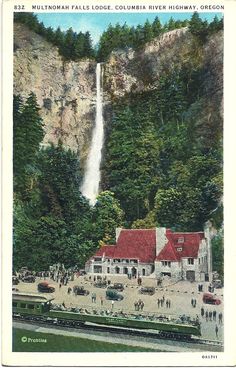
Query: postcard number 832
19	7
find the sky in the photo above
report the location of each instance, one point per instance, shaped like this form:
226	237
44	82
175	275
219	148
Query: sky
96	23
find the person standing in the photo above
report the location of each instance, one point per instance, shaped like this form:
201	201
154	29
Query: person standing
214	315
216	331
210	315
202	312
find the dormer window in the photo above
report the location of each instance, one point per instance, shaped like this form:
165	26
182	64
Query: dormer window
181	239
179	249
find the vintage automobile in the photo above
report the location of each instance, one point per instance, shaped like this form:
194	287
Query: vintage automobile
80	290
210	299
29	278
44	287
82	272
15	280
116	286
147	290
113	295
100	284
217	284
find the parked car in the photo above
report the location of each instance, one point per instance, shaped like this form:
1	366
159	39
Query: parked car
15	280
217	284
100	284
44	287
82	272
29	278
80	290
147	290
113	295
117	286
210	299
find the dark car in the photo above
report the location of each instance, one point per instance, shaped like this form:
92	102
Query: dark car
210	299
113	295
80	290
29	278
116	286
100	284
147	290
44	287
15	280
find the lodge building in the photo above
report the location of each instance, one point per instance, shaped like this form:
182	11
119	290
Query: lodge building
156	253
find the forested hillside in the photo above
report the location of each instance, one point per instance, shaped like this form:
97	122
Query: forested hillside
162	156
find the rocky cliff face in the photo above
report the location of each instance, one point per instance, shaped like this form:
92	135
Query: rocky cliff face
135	71
66	91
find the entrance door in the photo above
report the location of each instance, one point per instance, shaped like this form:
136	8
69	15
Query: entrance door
117	270
143	271
134	271
190	275
125	270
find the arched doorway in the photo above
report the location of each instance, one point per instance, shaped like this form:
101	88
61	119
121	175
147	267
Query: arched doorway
134	271
117	269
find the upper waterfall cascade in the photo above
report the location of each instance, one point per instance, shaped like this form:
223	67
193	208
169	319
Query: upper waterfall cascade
90	185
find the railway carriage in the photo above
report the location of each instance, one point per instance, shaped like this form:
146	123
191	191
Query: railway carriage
37	307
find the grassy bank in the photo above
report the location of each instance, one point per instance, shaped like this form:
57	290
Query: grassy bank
22	342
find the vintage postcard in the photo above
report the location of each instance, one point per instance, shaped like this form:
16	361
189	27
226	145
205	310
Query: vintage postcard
117	183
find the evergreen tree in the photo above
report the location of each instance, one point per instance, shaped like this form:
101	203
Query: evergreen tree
156	27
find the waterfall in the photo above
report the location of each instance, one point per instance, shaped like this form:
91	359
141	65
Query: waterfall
90	185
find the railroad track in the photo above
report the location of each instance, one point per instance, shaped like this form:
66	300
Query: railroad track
124	331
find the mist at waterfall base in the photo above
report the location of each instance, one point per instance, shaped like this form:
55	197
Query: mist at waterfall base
90	185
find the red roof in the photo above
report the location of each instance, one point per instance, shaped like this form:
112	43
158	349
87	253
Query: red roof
136	244
180	245
141	244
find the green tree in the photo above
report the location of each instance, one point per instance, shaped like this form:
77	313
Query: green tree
107	215
27	135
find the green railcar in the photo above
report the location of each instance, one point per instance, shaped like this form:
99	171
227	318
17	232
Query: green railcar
31	306
129	322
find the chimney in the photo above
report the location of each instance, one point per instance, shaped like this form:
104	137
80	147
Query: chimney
118	230
207	234
161	239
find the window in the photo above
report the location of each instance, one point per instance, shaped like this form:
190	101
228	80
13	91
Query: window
181	239
14	304
23	305
179	249
30	306
97	259
166	263
199	260
190	261
108	269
